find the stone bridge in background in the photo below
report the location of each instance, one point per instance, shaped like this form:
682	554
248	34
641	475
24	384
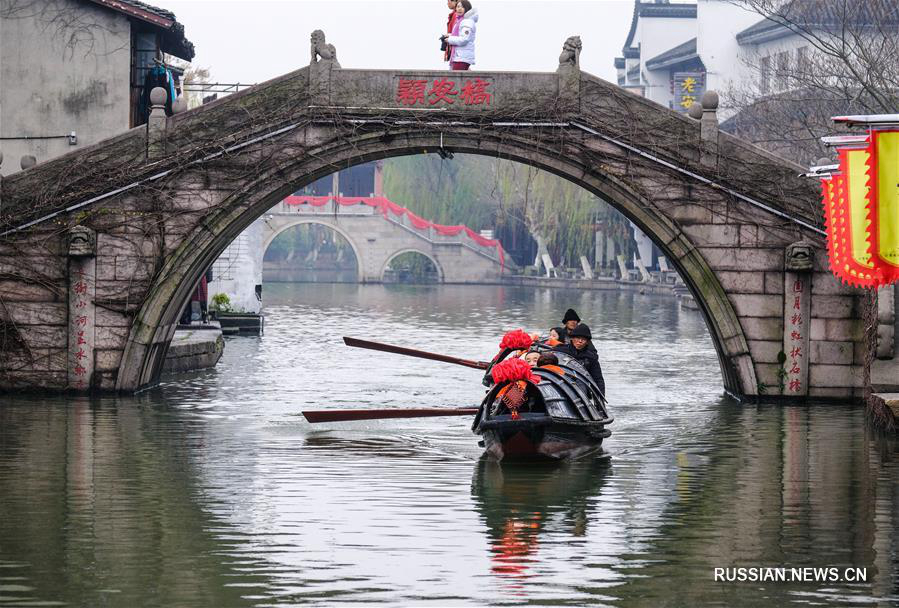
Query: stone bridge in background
377	237
100	248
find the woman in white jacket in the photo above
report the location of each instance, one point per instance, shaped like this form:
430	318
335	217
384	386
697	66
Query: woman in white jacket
462	38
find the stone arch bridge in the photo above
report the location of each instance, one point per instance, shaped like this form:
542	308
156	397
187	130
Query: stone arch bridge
100	248
377	238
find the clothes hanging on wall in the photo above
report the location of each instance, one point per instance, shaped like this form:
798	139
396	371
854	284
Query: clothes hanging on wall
157	76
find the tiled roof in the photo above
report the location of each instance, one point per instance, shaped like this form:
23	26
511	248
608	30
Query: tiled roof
173	39
818	14
679	54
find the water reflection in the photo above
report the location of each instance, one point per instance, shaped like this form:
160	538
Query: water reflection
212	490
517	501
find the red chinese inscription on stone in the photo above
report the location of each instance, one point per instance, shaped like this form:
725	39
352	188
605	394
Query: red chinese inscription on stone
442	90
412	92
474	93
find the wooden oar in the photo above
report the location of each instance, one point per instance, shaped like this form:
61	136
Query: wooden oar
349	415
411	352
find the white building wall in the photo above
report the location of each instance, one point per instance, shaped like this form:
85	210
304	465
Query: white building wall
238	270
718	23
655	35
49	86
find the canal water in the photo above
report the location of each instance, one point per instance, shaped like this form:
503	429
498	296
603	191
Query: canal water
212	490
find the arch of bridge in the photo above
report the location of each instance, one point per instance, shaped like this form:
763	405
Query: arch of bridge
294	222
144	353
441	275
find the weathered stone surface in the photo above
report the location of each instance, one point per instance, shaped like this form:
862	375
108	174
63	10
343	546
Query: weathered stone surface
833	353
763	328
20	291
714	235
37	313
825	283
111	337
764	351
109	318
743	259
742	282
842	330
835	376
750	305
774	282
107	360
832	307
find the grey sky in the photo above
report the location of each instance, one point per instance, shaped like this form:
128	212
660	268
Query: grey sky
252	41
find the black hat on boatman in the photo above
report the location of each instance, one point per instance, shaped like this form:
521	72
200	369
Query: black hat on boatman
581	331
570	315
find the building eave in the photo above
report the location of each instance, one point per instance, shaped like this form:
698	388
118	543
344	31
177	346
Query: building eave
680	54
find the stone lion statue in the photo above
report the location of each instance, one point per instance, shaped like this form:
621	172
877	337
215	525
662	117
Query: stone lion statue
571	52
322	50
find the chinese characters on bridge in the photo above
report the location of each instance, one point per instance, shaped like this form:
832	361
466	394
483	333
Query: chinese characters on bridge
81	325
443	91
796	326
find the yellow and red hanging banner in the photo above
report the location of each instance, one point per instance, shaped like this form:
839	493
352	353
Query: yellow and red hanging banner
861	211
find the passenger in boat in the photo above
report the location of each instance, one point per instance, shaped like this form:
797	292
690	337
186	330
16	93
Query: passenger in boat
554	338
582	350
569	322
531	357
551	362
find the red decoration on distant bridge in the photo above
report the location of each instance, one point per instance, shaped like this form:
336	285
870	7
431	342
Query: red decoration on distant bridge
385	206
412	91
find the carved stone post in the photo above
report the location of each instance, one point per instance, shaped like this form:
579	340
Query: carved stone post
156	124
708	129
323	60
569	72
82	310
797	324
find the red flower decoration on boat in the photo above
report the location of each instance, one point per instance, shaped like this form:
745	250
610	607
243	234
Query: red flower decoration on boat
516	339
511	370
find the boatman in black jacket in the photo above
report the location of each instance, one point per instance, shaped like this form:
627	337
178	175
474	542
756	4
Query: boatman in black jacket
582	350
569	322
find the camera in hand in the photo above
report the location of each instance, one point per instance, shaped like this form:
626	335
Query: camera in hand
443	43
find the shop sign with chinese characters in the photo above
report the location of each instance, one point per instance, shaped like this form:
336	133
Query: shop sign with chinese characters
688	88
443	92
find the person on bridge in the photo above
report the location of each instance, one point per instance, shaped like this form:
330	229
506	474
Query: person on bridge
450	22
580	348
461	41
569	322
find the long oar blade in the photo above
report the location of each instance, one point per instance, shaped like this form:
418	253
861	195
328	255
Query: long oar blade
350	415
411	352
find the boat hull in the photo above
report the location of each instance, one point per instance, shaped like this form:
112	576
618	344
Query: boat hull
506	438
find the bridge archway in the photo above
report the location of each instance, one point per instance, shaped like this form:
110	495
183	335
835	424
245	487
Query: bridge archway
305	221
441	275
154	325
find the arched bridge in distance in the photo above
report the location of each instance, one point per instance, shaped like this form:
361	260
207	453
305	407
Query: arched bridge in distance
105	244
378	230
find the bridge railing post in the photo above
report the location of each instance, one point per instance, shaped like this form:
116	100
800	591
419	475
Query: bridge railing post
708	129
156	124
